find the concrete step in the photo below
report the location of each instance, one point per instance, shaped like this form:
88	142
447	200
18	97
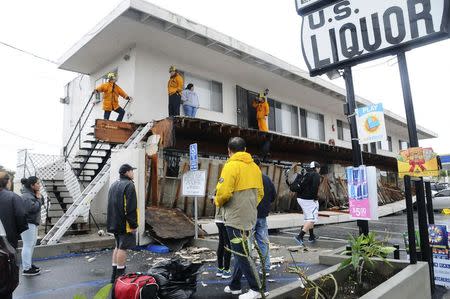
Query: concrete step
88	173
96	153
49	183
93	160
88	166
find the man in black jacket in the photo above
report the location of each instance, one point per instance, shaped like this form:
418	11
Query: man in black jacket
13	218
122	218
307	187
261	230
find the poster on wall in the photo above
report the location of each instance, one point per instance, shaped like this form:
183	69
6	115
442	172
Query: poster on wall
417	162
362	192
370	123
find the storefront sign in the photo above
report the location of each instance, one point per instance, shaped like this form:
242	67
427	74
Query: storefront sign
362	192
417	162
353	31
370	123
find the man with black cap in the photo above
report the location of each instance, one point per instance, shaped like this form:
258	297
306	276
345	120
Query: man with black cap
307	187
122	218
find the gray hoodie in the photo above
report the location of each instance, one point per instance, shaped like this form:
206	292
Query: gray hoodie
190	98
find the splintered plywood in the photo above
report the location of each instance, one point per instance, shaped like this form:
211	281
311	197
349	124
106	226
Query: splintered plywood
113	131
169	223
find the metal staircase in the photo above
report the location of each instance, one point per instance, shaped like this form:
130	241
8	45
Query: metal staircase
81	204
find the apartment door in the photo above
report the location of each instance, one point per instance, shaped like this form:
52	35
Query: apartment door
242	111
246	114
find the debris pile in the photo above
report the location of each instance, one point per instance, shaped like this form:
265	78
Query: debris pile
170	227
197	254
334	196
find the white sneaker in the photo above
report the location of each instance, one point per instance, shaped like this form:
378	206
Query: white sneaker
228	290
252	295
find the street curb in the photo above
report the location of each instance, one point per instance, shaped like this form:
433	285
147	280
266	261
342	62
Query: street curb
321	243
46	251
286	241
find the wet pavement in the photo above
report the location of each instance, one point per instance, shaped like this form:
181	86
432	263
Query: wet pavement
65	276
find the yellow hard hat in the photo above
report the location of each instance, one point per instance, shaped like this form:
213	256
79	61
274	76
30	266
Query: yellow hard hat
111	75
172	69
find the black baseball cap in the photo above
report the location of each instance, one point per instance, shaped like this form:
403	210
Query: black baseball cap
125	168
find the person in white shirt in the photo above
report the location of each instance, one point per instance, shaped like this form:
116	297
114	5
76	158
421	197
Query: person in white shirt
189	98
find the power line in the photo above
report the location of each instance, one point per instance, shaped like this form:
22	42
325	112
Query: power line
27	138
29	53
378	64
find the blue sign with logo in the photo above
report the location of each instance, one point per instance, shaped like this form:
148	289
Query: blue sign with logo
193	156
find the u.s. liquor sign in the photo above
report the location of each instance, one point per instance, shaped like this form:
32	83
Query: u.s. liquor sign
349	32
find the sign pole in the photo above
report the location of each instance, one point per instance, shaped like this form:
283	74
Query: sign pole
414	142
196	217
356	147
429	202
410	221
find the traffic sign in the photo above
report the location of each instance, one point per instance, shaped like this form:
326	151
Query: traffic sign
193	156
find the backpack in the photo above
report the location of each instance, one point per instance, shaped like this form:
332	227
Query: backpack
135	286
9	270
299	182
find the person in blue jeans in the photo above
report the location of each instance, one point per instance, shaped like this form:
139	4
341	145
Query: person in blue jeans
261	231
189	98
32	201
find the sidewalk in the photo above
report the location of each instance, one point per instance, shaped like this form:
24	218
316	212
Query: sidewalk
281	221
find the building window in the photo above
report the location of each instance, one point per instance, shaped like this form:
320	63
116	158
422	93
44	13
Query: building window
283	118
385	145
209	92
343	130
365	148
312	125
402	145
373	148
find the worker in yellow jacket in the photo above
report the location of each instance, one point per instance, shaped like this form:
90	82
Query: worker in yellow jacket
111	92
174	88
262	110
238	192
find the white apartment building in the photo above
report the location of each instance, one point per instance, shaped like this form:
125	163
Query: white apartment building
140	41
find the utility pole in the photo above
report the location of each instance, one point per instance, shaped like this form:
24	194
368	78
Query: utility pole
414	142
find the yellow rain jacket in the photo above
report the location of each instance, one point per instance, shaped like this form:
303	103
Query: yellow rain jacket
239	191
262	109
110	96
175	84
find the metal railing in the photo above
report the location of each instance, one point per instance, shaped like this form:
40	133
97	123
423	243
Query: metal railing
67	149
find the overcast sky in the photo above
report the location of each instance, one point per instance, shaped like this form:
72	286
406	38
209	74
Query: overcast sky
31	115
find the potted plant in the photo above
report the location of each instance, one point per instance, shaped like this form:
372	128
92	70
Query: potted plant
362	271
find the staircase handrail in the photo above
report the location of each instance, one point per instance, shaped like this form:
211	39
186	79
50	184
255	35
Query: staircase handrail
80	128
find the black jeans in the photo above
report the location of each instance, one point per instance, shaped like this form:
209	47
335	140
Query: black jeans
119	110
241	264
174	104
223	255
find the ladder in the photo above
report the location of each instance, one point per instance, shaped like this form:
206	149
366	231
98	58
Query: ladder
82	203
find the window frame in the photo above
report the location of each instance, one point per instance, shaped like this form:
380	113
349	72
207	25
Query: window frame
184	73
